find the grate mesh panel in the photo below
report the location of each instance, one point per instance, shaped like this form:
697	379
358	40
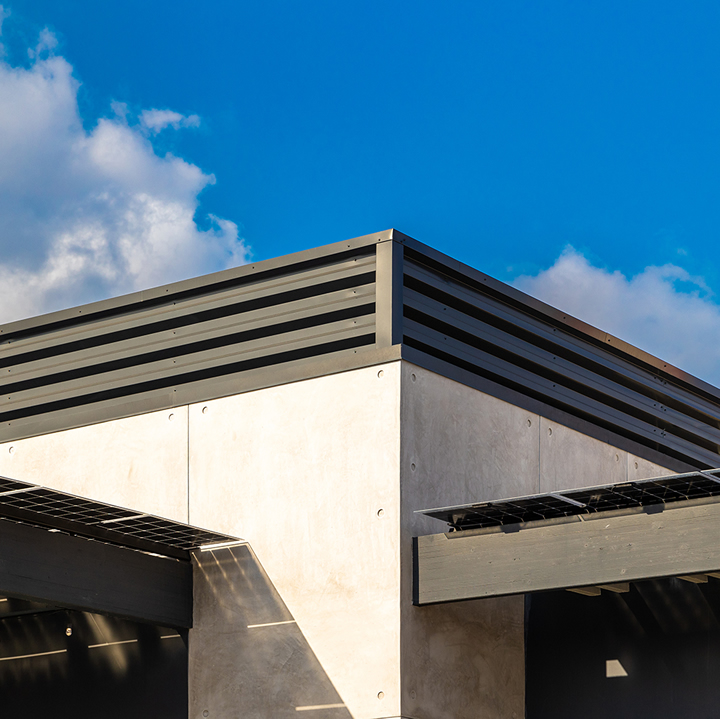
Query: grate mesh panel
628	495
50	508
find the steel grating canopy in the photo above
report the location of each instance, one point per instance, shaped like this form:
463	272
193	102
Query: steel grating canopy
37	505
654	492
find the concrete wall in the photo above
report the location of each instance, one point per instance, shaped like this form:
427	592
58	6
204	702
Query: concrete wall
322	477
458	446
248	656
139	462
308	472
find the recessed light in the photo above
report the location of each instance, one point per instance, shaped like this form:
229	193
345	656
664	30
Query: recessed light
613	668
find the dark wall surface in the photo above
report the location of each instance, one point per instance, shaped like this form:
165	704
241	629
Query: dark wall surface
665	633
143	678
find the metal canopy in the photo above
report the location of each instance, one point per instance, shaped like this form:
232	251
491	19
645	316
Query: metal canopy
654	492
48	508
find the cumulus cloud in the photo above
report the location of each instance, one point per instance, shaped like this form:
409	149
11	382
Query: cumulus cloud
663	310
90	214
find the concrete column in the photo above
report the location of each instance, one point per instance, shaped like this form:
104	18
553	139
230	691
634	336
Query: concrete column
464	660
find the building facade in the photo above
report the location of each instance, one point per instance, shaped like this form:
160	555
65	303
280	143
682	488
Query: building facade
304	410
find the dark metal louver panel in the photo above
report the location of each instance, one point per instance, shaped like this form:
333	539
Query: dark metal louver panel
152	354
461	323
179	364
252	298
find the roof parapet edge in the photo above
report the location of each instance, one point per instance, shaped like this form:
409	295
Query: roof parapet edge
564	320
500	290
168	291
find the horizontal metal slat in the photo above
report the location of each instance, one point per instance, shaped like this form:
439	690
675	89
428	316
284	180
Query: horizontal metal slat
263	271
474	279
554	392
186	310
275	370
557	364
85	361
169	371
583	349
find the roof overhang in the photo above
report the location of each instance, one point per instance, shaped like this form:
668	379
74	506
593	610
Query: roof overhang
68	551
593	537
79	516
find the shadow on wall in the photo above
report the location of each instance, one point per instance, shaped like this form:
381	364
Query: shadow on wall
652	651
66	664
248	657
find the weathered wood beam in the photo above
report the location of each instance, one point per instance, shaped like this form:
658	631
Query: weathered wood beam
595	551
77	573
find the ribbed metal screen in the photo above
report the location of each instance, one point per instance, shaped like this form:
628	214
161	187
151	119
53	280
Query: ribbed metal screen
169	350
470	326
339	307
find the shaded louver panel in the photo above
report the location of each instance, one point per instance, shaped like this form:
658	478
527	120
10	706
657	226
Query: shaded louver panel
461	326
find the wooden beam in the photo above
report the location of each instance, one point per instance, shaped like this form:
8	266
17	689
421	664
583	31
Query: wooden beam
586	591
694	578
619	588
596	551
78	573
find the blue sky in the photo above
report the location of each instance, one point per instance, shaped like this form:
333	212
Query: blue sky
569	148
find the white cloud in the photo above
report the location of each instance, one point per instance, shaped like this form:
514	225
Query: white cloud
47	42
663	310
157	120
90	214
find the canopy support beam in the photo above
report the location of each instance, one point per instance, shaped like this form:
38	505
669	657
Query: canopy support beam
77	573
592	550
